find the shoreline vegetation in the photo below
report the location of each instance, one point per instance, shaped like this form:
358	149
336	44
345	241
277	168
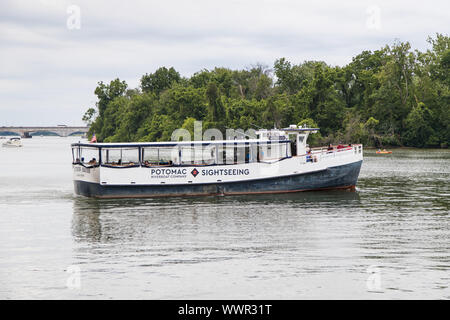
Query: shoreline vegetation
394	96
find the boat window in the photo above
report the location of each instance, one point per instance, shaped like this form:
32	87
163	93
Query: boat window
120	157
247	154
239	154
262	152
227	154
273	151
284	150
209	154
187	155
76	155
159	156
198	154
253	152
85	155
220	154
236	154
288	149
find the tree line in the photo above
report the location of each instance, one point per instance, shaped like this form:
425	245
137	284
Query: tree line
394	96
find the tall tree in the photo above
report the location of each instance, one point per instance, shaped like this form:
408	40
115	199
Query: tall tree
160	80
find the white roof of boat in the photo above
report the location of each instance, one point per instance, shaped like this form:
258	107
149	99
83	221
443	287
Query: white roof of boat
173	143
300	129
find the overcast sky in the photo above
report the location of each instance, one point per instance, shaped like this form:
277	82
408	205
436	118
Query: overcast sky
53	53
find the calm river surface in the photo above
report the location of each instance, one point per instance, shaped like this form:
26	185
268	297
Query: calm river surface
388	240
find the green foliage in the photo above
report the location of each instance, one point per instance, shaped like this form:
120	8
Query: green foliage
419	130
371	123
188	124
308	123
104	125
181	102
391	96
88	116
292	78
160	80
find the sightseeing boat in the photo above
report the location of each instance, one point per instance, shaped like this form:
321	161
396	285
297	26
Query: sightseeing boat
277	161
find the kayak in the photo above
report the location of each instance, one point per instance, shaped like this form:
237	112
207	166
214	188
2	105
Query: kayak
383	152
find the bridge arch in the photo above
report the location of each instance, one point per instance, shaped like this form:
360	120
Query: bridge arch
77	133
42	133
9	133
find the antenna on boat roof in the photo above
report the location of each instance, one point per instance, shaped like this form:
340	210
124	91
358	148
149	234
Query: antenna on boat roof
256	126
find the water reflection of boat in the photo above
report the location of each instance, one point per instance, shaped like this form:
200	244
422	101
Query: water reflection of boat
384	151
272	163
109	220
13	142
86	220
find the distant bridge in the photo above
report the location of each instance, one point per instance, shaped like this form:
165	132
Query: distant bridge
62	131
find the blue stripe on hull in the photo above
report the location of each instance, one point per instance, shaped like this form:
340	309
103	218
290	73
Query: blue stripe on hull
344	176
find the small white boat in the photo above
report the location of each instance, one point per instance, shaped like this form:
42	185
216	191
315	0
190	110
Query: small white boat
13	142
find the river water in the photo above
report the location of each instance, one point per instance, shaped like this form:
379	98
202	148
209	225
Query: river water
388	240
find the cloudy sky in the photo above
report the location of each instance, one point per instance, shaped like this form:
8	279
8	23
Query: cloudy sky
53	53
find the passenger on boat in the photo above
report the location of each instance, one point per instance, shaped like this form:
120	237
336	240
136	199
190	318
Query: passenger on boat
93	162
308	156
330	148
340	146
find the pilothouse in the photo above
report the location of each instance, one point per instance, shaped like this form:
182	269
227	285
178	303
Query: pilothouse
277	161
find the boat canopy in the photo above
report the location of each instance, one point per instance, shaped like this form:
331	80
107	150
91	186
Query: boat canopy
180	153
173	143
271	145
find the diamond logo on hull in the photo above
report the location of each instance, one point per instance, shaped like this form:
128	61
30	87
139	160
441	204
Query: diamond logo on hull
195	172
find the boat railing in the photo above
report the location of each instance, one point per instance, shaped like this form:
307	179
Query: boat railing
87	164
151	164
122	165
326	152
336	149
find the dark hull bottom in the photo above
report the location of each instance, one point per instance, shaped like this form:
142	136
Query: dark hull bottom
340	177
